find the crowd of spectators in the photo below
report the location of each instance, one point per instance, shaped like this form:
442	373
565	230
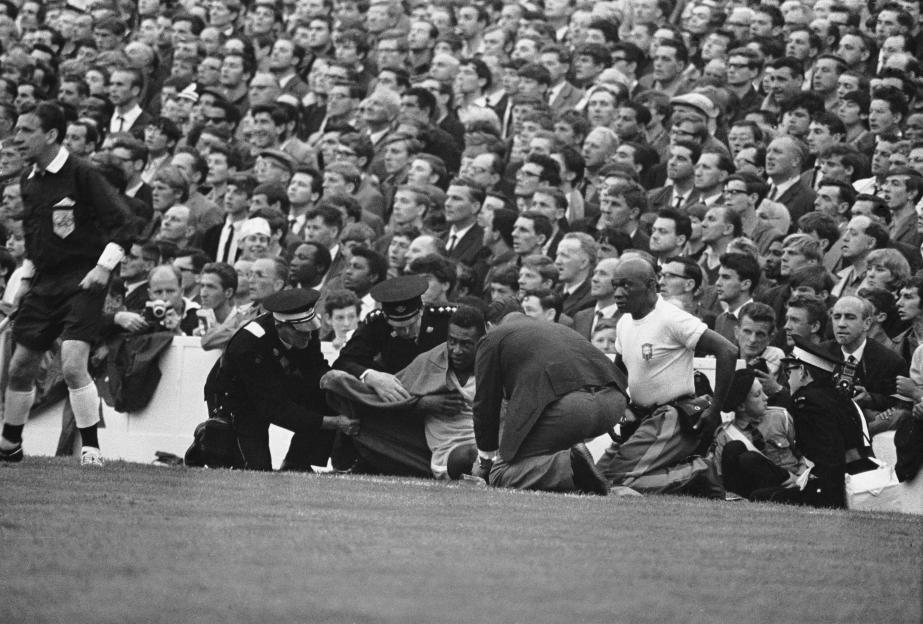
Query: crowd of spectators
767	159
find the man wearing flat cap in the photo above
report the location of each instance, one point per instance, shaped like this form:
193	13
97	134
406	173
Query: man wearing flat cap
270	375
828	424
273	166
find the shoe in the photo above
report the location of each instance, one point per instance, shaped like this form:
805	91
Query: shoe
90	456
587	477
12	455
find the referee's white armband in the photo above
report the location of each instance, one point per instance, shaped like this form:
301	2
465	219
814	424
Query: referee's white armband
111	256
28	269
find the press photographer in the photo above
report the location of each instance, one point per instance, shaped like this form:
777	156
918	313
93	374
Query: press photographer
166	308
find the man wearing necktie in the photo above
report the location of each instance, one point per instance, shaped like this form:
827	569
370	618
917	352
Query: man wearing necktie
462	204
877	367
124	92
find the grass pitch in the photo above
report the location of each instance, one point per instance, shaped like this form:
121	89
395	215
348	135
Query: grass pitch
135	543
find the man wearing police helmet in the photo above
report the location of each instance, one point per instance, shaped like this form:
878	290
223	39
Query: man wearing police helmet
391	337
269	374
828	424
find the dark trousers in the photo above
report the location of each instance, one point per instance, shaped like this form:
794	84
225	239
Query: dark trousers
309	446
543	459
745	471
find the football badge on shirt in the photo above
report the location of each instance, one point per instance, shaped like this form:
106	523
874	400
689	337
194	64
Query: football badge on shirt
62	217
647	351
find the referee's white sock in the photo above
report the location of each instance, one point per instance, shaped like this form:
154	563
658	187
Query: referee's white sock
16	408
85	402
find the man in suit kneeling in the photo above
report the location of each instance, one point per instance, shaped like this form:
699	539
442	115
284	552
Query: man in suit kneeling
559	391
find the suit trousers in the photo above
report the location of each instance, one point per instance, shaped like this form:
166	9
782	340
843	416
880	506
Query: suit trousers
543	459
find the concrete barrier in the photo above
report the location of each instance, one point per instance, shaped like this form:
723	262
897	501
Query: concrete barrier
166	424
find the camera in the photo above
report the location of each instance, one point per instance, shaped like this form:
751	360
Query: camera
155	312
759	364
844	379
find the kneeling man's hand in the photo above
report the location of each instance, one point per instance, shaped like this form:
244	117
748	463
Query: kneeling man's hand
386	386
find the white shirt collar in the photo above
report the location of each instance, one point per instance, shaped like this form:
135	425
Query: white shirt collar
129	117
784	186
459	234
858	353
608	311
56	163
736	311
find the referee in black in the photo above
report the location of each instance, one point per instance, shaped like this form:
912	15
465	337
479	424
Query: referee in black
76	230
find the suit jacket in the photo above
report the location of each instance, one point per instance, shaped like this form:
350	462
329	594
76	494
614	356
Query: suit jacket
725	324
297	87
906	233
531	364
555	241
641	241
877	371
145	193
210	239
799	200
567	99
811	177
660	198
135	300
455	128
137	128
466	249
751	100
583	322
578	300
337	266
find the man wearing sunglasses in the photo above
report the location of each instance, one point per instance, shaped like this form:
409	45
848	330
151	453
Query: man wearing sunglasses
270	375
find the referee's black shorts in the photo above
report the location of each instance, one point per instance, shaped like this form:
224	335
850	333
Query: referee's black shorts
55	307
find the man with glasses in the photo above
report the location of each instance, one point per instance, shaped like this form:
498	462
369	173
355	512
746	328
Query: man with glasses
536	170
270	375
743	192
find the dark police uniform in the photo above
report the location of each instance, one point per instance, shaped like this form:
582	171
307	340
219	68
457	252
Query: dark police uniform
375	344
260	381
828	428
70	214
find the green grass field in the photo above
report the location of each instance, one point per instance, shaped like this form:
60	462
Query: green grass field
135	543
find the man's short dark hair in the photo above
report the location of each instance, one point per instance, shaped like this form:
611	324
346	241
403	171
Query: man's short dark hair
551	170
814	306
682	222
225	272
468	317
746	266
438	266
540	223
378	264
758	313
691	269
